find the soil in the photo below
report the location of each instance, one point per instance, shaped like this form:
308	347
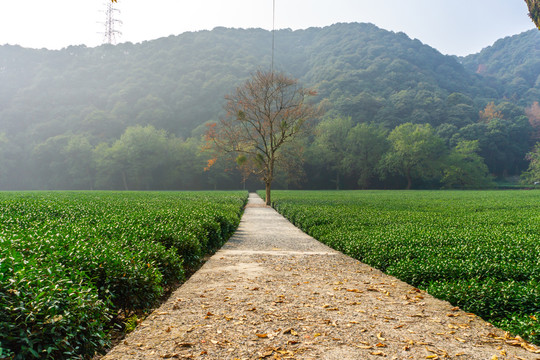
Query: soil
273	292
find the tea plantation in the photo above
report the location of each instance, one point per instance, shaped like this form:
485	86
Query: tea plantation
70	261
479	250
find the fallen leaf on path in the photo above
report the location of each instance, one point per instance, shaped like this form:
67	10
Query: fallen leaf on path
185	344
168	356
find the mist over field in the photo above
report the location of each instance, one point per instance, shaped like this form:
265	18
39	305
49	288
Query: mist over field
133	116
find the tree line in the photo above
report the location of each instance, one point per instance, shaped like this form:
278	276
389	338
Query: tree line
336	152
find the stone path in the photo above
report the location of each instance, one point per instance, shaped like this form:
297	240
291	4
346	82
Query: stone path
272	292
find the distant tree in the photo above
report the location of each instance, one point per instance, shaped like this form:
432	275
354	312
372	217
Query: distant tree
534	11
532	175
331	145
80	161
135	160
533	113
503	143
415	153
290	171
265	113
489	113
465	168
49	163
366	145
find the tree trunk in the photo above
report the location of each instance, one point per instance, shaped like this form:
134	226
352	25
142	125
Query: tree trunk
409	180
337	180
268	186
124	180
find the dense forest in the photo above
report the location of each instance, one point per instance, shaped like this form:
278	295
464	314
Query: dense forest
397	113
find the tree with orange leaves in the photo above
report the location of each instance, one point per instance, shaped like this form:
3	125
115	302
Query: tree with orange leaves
533	113
489	113
265	113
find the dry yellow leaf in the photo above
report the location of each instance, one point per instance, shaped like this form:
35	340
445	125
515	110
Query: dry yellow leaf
262	336
380	337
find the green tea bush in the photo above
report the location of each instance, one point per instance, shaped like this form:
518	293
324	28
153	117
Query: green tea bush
48	312
69	260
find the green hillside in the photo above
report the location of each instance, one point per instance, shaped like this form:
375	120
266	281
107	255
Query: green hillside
91	96
513	61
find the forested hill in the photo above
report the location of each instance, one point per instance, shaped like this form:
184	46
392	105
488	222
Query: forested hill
177	83
49	99
515	61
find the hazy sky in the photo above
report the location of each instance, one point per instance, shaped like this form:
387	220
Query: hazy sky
457	27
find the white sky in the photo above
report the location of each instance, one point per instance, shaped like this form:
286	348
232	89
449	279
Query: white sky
457	27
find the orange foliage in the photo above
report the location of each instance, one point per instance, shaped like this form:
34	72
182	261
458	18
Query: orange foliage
533	113
210	163
490	113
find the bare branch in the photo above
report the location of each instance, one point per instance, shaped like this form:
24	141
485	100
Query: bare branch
265	113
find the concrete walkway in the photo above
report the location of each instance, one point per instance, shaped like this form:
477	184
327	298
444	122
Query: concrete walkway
272	292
